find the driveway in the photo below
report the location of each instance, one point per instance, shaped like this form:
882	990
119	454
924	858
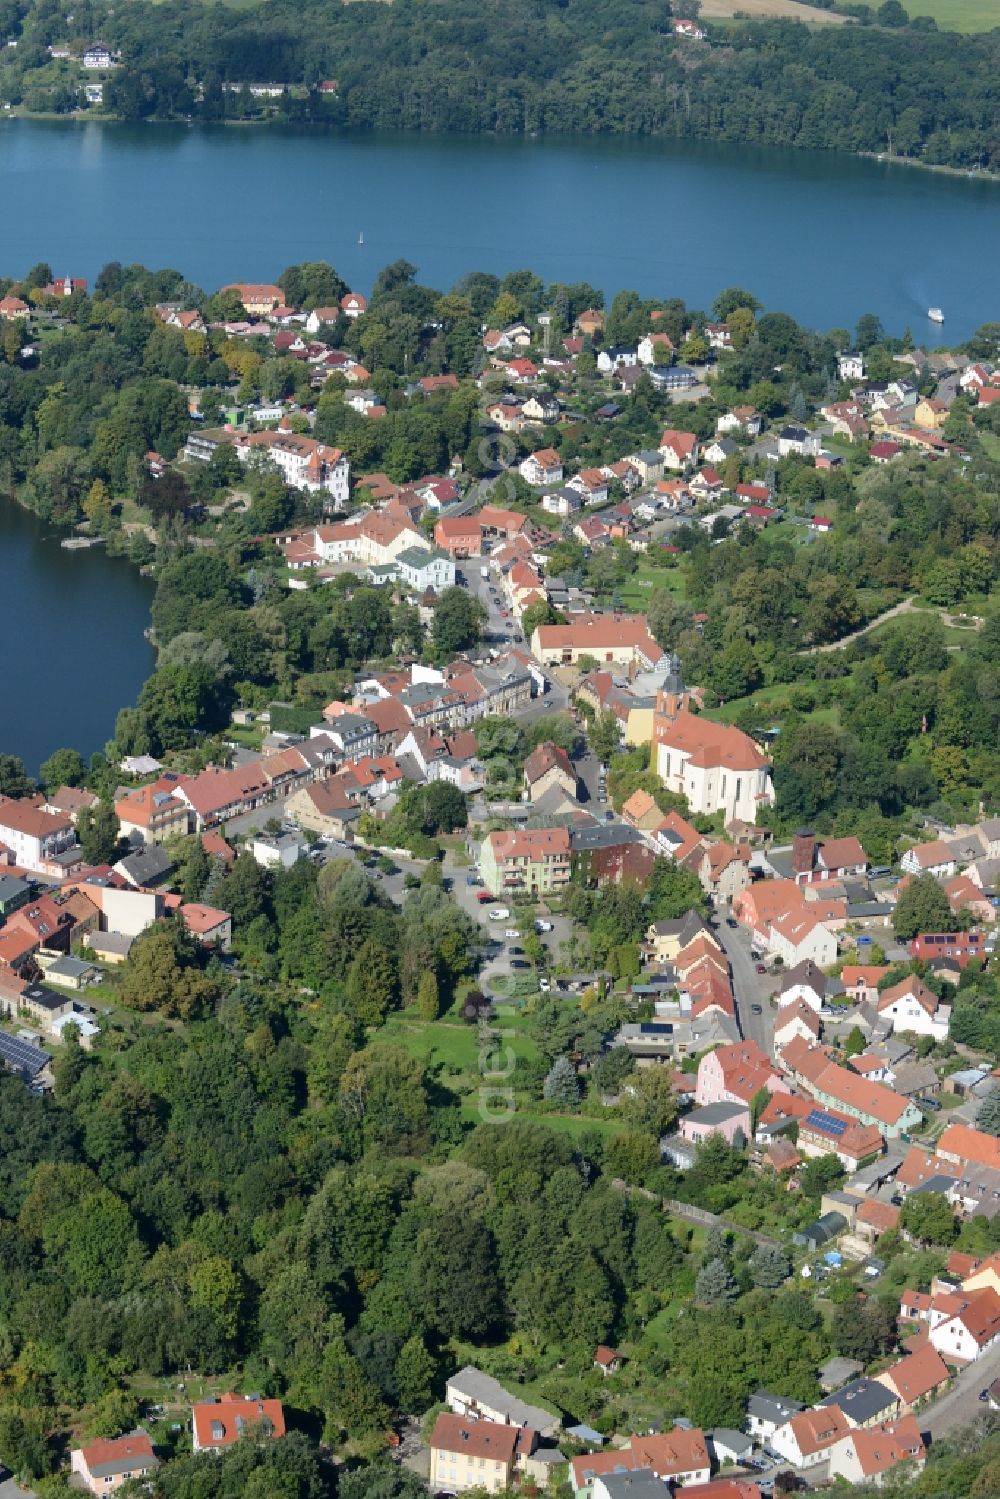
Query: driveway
749	987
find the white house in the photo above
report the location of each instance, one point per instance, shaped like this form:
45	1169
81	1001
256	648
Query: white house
793	439
930	858
304	462
97	56
912	1007
543	467
617	358
807	1438
767	1412
851	366
972	1330
796	936
421	569
34	837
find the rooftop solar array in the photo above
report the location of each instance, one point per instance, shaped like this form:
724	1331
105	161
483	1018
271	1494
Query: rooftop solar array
826	1122
21	1056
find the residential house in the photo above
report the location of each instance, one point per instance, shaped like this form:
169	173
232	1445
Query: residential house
535	861
608	1360
827	1131
679	449
916	1377
459	535
259	299
422	569
767	1413
866	1457
102	1466
725	870
326	808
843	1090
912	1007
861	981
154	813
806	984
216	1424
209	926
469	1454
548	765
796	1019
864	1402
480	1397
676	1457
793	439
929	858
961	947
542	467
808	1437
971	1329
39	841
735	1074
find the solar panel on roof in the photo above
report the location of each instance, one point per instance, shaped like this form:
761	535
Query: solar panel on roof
826	1122
21	1055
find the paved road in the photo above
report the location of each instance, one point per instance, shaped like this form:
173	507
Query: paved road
960	1405
749	987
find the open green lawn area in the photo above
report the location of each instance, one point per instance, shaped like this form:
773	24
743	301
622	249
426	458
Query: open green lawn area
634	594
959	15
771	697
991	443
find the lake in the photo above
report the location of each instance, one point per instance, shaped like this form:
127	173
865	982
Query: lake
822	236
75	649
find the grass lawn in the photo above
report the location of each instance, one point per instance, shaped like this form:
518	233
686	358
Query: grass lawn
959	15
634	593
991	445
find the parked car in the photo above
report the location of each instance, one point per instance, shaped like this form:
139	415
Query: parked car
502	913
518	963
544	985
730	922
471	879
930	1103
756	1010
483	897
761	968
512	931
543	926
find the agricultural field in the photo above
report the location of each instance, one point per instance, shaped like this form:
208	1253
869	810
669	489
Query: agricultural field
958	15
785	10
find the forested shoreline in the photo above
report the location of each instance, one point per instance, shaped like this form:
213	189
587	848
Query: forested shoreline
896	86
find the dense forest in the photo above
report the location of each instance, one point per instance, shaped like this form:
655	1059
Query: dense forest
531	66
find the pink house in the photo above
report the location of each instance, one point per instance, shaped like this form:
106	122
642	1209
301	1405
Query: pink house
733	1074
103	1466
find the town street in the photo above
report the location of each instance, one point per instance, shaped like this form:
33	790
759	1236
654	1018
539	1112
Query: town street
960	1405
749	987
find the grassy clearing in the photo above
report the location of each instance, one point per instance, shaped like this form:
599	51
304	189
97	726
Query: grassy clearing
759	10
958	15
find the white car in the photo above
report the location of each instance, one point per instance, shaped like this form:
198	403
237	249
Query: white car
500	914
544	985
512	931
543	926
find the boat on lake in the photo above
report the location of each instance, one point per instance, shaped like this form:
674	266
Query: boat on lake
935	314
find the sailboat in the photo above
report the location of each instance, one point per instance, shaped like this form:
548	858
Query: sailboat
361	237
935	314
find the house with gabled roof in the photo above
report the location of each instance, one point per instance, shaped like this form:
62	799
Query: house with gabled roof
217	1424
914	1008
866	1457
102	1466
916	1377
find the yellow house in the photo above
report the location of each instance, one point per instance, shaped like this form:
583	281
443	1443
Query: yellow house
987	1277
931	414
471	1454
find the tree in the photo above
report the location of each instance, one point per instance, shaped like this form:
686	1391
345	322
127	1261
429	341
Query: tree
415	1375
14	779
428	997
922	907
649	1101
63	768
562	1085
372	984
605	736
820	1174
163	973
100	833
929	1217
729	300
715	1282
988	1113
855	1043
458	621
862	1335
769	1266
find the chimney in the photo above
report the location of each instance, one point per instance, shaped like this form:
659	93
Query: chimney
803	851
